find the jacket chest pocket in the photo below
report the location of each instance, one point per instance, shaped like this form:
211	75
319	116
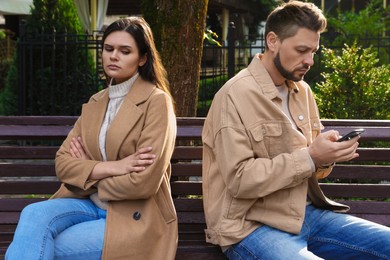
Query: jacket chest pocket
267	140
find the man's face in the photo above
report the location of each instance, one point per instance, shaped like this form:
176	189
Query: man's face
294	56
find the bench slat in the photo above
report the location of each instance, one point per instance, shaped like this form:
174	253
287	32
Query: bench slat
352	172
29	187
354	190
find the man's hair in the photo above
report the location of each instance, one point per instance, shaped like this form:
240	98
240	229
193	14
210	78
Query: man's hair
286	19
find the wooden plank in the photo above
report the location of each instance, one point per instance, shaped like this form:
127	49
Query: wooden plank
354	190
9	218
29	187
186	188
187	153
16	204
354	172
27	170
28	152
191	217
33	132
188	205
37	120
373	154
187	169
364	207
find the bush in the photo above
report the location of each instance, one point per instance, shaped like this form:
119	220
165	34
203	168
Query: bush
354	86
367	27
8	96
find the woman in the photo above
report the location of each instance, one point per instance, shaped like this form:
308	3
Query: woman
114	201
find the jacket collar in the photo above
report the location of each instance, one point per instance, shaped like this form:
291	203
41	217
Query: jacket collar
263	79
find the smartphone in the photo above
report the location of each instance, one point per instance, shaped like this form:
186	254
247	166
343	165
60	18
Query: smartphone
351	135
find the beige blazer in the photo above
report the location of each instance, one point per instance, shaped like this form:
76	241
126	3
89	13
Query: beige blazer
141	219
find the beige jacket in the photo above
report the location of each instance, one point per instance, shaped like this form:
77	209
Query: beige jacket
256	167
141	219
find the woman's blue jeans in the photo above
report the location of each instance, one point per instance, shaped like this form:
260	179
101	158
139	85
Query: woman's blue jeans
59	229
324	235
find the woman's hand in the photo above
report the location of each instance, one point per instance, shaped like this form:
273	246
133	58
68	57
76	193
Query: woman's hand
77	149
136	162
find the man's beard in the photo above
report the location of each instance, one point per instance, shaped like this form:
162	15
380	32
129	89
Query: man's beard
289	75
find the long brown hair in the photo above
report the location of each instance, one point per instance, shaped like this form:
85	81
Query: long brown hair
153	70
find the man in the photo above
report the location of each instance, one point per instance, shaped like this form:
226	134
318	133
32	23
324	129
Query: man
264	152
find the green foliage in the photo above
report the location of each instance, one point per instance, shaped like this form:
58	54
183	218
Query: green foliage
59	70
211	37
368	24
354	86
207	89
49	16
8	95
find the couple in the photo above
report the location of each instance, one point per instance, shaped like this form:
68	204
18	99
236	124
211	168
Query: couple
263	153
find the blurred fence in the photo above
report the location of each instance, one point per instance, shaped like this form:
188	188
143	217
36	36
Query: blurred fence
58	72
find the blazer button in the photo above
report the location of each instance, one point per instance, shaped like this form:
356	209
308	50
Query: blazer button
136	215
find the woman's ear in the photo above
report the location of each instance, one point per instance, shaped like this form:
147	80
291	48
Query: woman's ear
272	40
143	60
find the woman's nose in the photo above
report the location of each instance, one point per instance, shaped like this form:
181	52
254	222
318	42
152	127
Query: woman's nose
114	55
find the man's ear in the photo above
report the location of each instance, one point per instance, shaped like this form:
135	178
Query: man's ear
272	41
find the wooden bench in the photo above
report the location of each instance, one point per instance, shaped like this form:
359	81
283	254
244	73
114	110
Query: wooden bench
28	145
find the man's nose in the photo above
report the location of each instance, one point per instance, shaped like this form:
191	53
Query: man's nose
309	59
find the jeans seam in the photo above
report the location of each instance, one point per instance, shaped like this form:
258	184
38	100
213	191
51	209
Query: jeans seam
349	246
42	253
248	251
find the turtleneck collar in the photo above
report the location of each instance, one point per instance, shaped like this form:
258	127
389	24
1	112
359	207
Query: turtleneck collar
121	89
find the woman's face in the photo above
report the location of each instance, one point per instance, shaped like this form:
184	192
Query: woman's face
121	57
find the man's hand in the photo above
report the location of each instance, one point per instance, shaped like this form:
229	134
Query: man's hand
325	149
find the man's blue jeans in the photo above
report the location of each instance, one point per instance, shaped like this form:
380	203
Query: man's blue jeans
59	229
324	235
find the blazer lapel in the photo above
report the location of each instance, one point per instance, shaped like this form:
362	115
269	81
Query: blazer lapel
92	121
127	117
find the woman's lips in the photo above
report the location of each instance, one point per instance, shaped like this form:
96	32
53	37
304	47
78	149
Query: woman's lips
113	67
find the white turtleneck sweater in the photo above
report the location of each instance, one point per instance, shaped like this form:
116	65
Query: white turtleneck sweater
116	94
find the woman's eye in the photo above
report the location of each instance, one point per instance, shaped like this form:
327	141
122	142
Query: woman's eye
108	49
125	52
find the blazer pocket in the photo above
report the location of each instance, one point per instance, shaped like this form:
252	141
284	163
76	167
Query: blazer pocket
165	205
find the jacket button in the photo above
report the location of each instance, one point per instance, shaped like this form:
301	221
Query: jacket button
136	215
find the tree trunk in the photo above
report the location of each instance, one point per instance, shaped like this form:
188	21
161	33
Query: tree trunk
179	30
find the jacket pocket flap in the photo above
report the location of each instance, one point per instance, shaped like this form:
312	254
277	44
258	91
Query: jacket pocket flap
268	129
